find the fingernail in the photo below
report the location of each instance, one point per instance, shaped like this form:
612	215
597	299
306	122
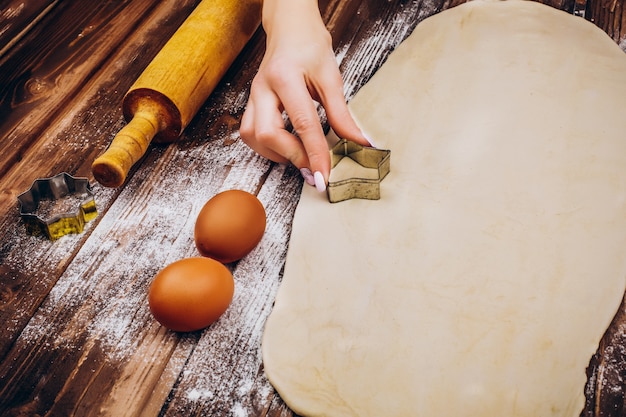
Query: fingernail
320	183
369	140
308	176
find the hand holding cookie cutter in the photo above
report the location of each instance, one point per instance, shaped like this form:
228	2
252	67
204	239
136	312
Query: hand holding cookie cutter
358	187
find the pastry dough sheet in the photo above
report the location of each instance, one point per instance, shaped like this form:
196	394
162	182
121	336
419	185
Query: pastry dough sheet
482	281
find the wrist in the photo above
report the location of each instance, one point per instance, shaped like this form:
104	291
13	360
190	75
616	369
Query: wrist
291	17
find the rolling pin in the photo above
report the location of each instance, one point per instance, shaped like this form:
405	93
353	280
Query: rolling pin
180	78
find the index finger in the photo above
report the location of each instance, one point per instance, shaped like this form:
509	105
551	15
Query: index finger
302	112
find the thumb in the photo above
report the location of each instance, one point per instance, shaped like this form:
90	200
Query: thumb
342	122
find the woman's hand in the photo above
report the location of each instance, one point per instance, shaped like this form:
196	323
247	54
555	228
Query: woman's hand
299	69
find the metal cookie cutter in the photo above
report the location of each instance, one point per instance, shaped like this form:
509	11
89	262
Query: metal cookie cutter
359	186
57	206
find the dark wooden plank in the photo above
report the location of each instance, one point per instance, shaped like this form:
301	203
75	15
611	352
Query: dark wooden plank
610	16
18	17
606	386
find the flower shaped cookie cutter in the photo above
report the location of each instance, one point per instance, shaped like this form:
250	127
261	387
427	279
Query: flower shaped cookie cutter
362	180
57	206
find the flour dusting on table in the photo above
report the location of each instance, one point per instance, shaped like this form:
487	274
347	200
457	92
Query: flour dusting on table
103	292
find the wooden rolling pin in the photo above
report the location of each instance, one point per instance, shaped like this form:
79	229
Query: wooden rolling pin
169	92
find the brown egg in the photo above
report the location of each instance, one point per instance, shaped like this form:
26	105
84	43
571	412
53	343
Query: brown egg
191	293
229	226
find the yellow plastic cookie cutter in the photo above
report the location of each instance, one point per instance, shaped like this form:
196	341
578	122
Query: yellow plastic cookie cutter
358	187
57	206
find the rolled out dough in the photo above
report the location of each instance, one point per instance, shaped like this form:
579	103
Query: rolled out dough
482	281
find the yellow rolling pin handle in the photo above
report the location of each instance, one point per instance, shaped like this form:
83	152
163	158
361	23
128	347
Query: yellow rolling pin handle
128	146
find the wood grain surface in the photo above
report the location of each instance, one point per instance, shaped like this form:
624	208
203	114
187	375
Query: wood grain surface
77	338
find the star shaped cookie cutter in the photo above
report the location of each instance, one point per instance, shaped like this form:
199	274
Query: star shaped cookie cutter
57	206
364	183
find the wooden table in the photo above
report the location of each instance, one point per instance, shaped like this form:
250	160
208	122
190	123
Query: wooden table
77	337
